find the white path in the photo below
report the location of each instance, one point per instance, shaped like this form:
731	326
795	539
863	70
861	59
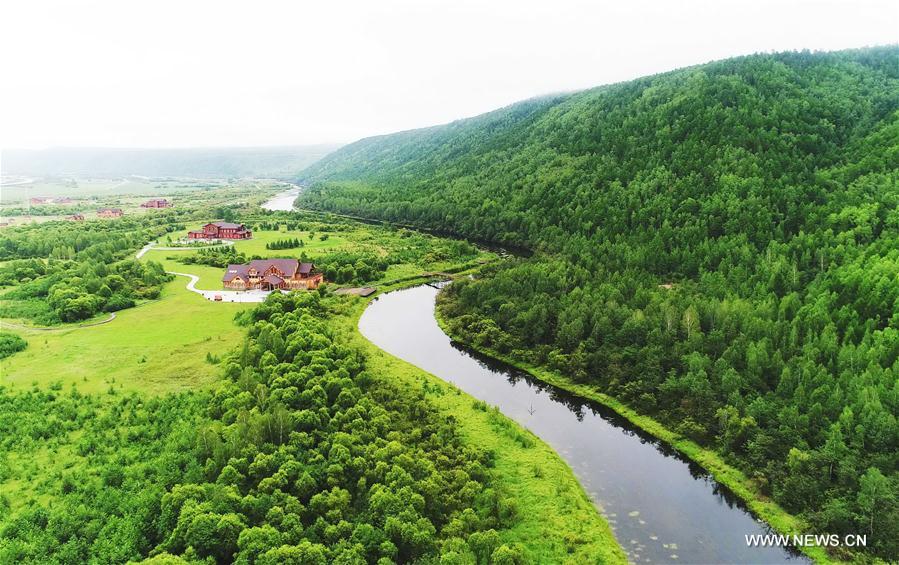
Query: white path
152	245
144	250
227	295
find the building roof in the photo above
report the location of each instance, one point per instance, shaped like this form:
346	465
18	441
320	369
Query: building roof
234	271
227	225
273	279
109	210
287	266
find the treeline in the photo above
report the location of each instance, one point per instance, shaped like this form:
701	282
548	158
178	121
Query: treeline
219	257
102	241
286	243
300	456
69	291
67	273
11	343
344	267
719	250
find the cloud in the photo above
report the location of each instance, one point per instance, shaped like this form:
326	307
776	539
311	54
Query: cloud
224	73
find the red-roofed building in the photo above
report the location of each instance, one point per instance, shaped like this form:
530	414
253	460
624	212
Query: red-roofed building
221	230
157	203
272	274
75	218
110	213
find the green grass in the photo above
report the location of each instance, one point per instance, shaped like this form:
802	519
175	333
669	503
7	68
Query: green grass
371	239
256	245
210	277
155	348
558	522
83	188
747	490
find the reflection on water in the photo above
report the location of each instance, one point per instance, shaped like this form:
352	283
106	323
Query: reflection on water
662	507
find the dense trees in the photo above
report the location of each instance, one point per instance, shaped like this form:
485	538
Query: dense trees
300	456
66	273
286	243
720	248
353	267
220	256
11	343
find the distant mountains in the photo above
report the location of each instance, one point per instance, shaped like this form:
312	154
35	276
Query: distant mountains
264	162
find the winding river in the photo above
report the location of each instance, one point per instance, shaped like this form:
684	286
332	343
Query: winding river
283	201
663	508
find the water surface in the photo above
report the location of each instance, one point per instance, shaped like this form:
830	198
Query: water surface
283	201
663	508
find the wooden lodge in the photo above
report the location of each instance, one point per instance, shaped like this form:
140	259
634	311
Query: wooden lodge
272	274
110	213
157	203
221	230
75	218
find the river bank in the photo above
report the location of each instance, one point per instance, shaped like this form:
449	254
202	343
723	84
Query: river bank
557	521
733	479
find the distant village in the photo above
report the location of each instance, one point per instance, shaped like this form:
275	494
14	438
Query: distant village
106	213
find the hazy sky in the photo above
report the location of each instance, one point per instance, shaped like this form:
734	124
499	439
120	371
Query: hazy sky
180	73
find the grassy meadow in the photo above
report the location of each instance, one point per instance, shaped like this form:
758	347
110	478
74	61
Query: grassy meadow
376	240
102	187
155	348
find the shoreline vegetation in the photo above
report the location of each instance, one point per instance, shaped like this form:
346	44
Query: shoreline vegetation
552	498
736	481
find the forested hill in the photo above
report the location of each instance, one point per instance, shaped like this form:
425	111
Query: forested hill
719	249
708	147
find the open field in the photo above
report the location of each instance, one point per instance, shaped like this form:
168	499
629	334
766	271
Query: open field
364	239
155	348
83	188
90	194
256	245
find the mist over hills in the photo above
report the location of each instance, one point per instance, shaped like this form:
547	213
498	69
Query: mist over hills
224	162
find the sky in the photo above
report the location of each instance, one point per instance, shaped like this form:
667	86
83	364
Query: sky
212	73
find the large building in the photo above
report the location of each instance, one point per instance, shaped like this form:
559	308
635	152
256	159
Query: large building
221	230
272	274
110	213
157	203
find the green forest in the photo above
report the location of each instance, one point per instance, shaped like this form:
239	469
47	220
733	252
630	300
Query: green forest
299	456
717	246
61	272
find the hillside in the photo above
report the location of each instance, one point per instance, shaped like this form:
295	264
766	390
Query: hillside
221	162
719	249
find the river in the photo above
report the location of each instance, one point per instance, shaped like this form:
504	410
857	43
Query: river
283	201
662	507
